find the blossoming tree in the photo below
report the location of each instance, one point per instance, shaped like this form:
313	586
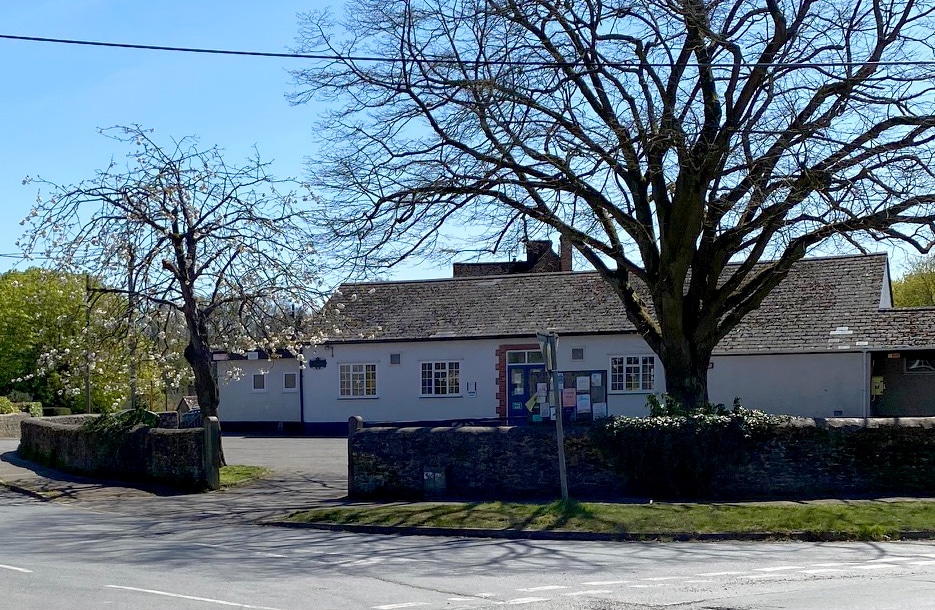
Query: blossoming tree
186	238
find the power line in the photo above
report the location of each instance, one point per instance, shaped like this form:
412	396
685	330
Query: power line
450	61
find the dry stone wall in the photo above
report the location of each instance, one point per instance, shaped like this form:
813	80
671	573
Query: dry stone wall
166	456
804	458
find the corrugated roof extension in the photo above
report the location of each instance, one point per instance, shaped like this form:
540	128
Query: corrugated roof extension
824	304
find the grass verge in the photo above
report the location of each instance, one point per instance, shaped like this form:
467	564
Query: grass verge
232	476
857	519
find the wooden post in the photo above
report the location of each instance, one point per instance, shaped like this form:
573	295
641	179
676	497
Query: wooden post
212	455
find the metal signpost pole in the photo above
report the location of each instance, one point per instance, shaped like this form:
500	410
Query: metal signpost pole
549	345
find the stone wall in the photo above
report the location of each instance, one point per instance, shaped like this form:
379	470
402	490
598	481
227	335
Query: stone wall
803	459
9	424
170	457
475	462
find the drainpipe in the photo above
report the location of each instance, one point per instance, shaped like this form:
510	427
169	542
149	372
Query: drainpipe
302	392
866	386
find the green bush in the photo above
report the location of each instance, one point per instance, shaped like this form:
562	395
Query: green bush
33	408
7	407
18	396
679	455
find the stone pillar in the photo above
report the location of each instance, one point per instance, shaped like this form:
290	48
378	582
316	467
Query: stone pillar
354	424
212	455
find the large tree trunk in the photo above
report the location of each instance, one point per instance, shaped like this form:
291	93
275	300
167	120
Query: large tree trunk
686	370
199	357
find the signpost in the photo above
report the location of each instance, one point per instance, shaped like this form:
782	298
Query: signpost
548	343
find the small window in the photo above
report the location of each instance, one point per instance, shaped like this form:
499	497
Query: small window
290	382
396	359
524	357
632	373
357	380
441	378
259	382
577	353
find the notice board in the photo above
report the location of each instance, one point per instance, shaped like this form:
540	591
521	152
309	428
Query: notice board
583	394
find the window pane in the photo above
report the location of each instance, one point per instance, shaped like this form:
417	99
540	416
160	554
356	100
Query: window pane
370	381
516	357
454	378
534	357
426	378
648	372
289	381
616	374
440	382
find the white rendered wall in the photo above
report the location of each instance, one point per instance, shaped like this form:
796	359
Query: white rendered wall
240	402
399	386
807	385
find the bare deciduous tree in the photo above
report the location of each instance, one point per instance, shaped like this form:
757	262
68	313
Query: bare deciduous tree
664	138
187	238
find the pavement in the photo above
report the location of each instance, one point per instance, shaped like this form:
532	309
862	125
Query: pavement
305	473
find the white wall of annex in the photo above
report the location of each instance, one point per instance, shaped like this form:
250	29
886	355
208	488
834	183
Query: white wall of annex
806	385
241	403
399	386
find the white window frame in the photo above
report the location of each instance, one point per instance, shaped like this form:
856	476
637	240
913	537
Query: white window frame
295	376
351	390
572	354
262	376
436	367
620	374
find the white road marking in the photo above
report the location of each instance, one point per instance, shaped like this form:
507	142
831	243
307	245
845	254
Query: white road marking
462	599
191	597
890	559
588	592
821	570
403	605
524	600
697	581
833	564
543	588
642	586
779	568
604	583
875	566
666	578
719	573
926	562
15	569
758	576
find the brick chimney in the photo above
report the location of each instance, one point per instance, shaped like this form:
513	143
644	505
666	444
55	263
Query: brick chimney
536	249
565	251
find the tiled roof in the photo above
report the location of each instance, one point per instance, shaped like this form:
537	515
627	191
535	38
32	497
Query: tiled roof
823	304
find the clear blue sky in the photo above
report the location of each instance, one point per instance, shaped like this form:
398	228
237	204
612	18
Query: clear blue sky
54	97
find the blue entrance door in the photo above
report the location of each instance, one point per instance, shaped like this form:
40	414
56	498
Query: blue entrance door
525	382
